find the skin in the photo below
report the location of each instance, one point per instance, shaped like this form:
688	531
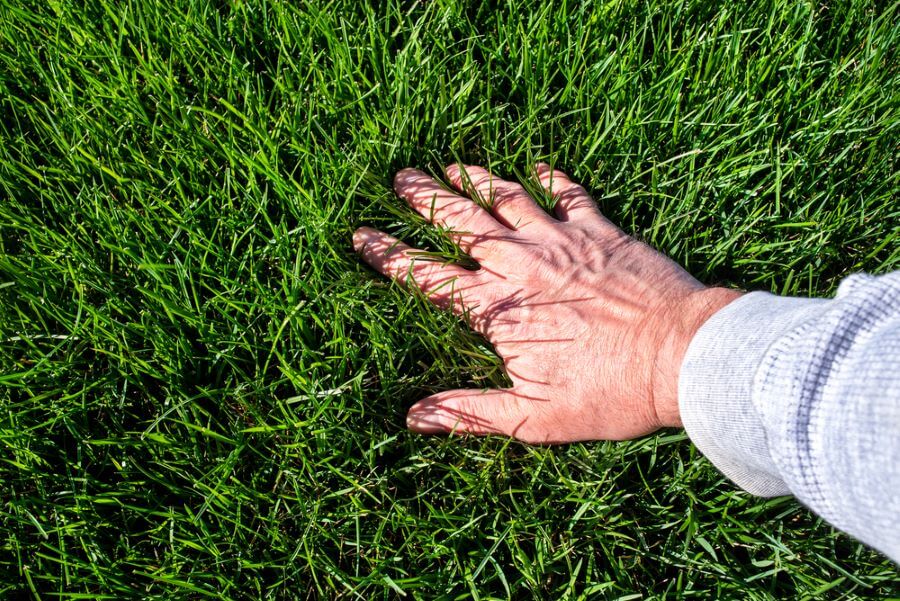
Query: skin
592	325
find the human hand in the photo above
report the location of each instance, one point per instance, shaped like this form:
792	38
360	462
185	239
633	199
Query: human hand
591	324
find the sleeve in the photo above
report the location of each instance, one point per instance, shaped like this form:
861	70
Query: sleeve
802	396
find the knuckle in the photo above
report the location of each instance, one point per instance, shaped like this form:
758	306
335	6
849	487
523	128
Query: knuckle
491	245
509	193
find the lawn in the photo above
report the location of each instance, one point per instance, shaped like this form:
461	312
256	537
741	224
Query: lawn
203	390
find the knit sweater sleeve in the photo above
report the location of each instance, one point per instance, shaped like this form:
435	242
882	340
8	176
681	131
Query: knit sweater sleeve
802	396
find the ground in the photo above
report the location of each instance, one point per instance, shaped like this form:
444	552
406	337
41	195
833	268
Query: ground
202	388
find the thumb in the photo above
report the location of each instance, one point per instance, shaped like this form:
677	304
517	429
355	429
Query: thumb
480	412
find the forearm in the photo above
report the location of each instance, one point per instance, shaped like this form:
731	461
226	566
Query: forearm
801	396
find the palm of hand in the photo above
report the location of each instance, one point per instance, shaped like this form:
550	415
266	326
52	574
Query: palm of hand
591	324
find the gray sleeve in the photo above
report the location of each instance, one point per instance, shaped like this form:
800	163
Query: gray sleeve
802	396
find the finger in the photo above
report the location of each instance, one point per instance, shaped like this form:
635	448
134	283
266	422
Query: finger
572	201
446	285
469	224
508	201
479	412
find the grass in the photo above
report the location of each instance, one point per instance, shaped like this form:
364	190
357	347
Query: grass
203	390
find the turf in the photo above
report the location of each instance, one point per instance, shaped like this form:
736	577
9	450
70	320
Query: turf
203	390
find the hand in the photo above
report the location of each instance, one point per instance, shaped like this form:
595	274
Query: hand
591	324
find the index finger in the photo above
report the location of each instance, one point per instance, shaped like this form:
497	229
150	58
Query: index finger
446	285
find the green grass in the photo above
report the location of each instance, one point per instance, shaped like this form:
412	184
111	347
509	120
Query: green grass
202	390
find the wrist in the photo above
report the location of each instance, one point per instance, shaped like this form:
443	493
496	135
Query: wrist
678	330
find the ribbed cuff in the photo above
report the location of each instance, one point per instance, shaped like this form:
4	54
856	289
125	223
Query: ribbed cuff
716	382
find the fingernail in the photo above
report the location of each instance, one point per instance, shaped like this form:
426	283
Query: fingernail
424	421
418	420
405	174
414	422
360	238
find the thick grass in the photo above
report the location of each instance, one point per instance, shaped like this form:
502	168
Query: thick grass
203	390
